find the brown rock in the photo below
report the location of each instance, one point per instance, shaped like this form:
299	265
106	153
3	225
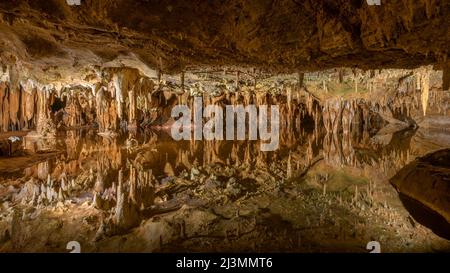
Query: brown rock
424	187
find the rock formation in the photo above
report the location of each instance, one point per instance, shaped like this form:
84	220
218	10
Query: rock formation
87	93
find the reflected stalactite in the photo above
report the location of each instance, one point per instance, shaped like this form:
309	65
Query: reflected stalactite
132	175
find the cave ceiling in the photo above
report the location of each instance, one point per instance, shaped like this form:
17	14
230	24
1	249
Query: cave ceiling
53	40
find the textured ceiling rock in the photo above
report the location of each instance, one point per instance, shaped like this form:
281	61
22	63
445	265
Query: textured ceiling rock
280	36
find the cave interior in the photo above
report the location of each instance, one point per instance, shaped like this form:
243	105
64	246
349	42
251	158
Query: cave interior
88	90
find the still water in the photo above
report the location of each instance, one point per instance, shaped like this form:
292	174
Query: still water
143	191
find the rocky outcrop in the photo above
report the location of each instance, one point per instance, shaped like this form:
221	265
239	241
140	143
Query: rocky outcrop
425	187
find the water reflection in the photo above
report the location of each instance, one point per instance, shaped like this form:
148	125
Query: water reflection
143	175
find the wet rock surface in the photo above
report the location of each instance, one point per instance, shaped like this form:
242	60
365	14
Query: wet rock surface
424	184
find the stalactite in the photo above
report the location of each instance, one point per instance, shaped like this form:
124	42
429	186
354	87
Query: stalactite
6	108
3	108
132	107
446	78
182	82
117	81
425	84
301	77
290	106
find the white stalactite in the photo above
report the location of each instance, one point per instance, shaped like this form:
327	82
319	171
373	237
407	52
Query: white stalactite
117	81
425	84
